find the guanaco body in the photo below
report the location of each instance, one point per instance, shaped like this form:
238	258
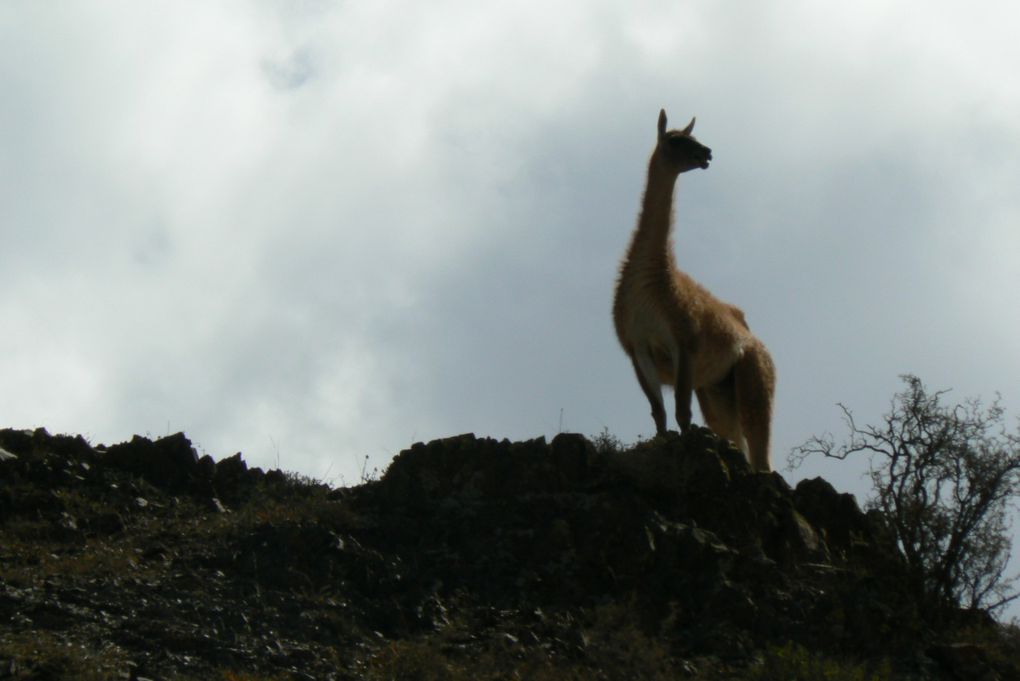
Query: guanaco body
676	332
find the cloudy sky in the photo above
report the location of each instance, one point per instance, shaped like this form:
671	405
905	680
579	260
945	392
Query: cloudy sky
317	231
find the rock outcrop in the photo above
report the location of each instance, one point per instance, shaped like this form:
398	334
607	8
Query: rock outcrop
673	558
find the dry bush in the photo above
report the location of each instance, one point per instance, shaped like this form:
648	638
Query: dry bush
945	477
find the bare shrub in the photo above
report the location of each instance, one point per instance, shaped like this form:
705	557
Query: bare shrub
946	478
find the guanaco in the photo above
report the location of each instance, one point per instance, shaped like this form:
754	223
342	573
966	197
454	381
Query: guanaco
676	333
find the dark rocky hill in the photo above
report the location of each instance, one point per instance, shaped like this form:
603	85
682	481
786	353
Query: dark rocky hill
469	559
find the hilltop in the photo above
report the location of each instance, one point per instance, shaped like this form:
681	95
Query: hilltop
470	558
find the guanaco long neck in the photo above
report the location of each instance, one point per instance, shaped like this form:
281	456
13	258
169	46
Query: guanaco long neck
651	244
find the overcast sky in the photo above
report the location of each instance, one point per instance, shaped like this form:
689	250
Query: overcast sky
317	231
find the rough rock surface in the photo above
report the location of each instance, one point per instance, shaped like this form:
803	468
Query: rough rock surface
670	560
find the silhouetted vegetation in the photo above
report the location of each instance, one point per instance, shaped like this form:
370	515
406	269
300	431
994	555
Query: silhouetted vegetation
945	477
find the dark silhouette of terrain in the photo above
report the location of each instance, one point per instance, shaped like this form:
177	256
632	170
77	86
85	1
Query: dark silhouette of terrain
469	559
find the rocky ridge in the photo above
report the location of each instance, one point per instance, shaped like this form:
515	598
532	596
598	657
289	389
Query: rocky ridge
469	558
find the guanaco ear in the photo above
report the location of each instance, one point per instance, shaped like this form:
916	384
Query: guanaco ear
662	123
690	128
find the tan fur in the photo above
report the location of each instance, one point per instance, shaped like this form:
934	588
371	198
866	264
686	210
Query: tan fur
676	333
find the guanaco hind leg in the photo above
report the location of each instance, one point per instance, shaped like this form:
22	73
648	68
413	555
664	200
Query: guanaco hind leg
719	408
755	380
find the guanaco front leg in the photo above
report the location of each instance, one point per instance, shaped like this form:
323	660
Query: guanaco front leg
648	377
683	388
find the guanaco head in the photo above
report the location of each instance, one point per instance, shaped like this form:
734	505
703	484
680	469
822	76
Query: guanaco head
678	149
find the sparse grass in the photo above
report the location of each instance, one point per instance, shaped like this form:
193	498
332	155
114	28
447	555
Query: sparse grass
1001	644
38	654
607	443
615	640
412	661
793	662
244	676
310	505
429	661
607	645
25	563
297	501
366	474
